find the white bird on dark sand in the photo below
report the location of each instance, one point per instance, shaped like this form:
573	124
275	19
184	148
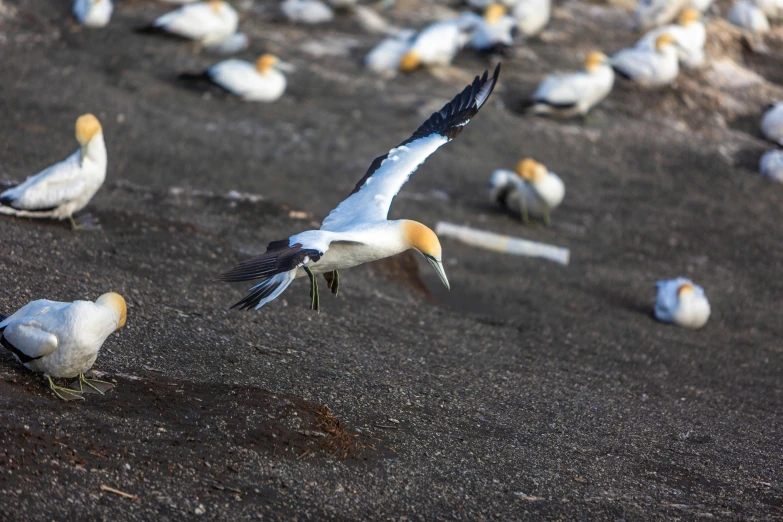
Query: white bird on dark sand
532	16
385	57
690	33
93	13
748	16
771	165
65	187
438	43
772	123
530	190
575	93
358	230
650	14
261	81
681	302
649	67
495	32
62	340
208	23
307	11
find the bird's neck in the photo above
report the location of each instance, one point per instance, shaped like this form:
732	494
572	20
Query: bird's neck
94	150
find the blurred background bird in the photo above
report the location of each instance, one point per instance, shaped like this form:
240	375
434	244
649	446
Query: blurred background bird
772	123
93	13
681	302
529	191
649	67
261	81
690	35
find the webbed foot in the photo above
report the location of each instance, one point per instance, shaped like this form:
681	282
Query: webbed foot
87	223
65	394
333	280
86	385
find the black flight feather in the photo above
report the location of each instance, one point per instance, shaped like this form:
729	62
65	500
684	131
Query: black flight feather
278	258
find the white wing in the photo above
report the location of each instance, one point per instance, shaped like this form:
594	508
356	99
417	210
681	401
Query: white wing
635	64
59	184
23	334
191	21
563	91
372	196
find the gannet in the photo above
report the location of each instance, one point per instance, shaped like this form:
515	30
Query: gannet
62	340
771	165
532	16
358	231
495	32
748	16
261	81
438	43
530	190
649	67
66	187
307	11
689	33
654	13
681	302
575	93
385	57
93	13
700	5
772	123
209	23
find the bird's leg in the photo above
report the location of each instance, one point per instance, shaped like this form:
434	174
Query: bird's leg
547	221
86	222
525	217
64	393
315	302
93	384
333	280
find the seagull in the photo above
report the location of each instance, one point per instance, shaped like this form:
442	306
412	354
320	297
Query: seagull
495	32
531	190
93	13
772	123
649	67
771	165
438	43
654	13
261	81
385	57
689	33
358	230
681	302
307	11
532	16
208	23
66	187
575	93
62	340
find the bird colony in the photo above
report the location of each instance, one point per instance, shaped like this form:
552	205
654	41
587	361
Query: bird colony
62	340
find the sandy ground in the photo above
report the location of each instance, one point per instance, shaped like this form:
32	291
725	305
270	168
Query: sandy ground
530	391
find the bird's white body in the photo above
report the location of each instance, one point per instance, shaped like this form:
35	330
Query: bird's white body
233	44
690	38
690	309
748	16
307	11
62	189
532	16
519	195
385	57
93	13
63	339
483	4
648	67
243	79
654	13
574	93
438	43
700	5
489	35
771	165
205	22
772	124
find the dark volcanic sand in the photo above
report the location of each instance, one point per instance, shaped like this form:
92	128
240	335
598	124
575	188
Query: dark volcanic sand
529	391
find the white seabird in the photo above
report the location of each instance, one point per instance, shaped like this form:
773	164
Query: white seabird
93	13
495	32
772	123
358	230
748	16
771	165
681	302
385	57
690	34
438	43
654	13
262	81
66	187
530	190
307	11
649	67
532	16
208	23
575	93
62	340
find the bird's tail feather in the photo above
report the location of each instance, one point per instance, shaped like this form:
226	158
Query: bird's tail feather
266	291
157	30
194	77
10	211
499	186
622	72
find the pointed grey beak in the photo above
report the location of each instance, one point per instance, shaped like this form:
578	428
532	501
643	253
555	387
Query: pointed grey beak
438	266
285	66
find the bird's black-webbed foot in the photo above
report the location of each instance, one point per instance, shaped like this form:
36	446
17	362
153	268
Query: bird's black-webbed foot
64	393
315	301
86	222
85	385
333	280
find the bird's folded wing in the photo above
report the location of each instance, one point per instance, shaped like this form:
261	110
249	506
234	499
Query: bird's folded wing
372	196
192	21
633	64
28	339
50	188
563	91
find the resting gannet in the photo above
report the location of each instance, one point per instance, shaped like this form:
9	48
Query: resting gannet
772	8
307	11
681	302
532	16
575	93
261	81
772	123
771	165
66	187
654	13
93	13
209	23
62	340
689	33
438	43
358	231
531	190
750	17
495	32
385	57
649	67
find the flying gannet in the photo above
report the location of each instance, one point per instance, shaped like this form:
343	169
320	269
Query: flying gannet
93	13
358	230
62	340
681	302
66	187
531	190
261	81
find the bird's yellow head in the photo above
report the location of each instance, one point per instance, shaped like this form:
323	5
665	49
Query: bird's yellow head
494	13
422	238
688	16
216	6
531	170
116	303
594	60
683	290
87	126
664	41
410	61
265	62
